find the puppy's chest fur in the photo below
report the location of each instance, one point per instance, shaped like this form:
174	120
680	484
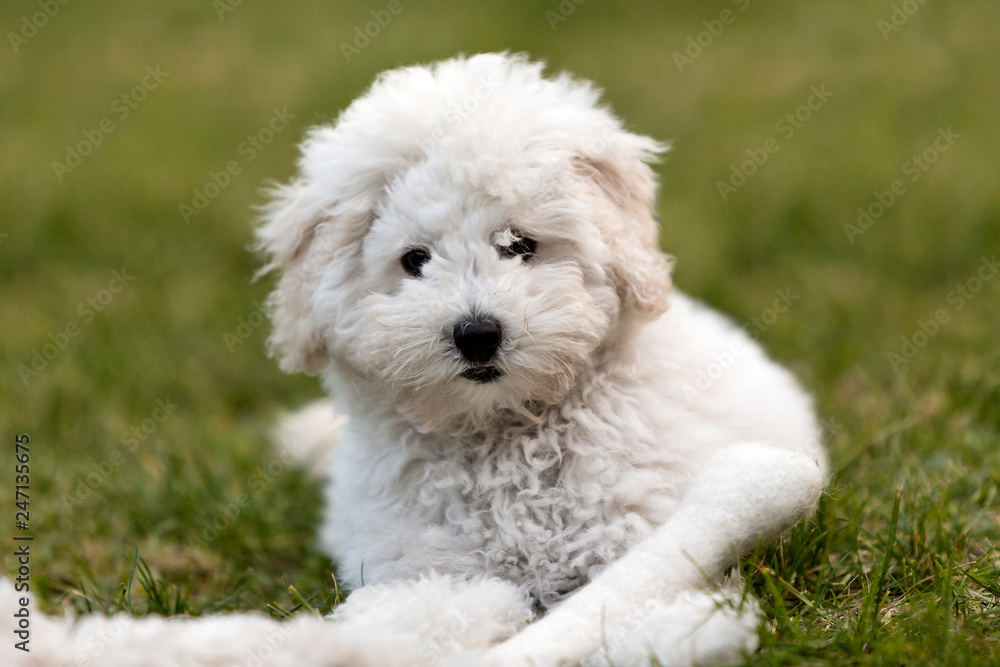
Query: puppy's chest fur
546	507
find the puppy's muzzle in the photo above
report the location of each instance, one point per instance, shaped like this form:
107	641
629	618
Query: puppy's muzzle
477	340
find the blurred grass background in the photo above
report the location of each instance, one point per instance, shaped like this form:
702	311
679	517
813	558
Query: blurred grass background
855	586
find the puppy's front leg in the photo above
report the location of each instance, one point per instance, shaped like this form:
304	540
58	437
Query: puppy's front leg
746	494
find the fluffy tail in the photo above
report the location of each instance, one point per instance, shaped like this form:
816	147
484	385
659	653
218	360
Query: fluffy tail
311	434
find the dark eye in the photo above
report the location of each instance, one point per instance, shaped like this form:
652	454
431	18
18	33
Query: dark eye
413	261
521	246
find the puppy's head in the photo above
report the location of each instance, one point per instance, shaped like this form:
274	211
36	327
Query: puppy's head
464	243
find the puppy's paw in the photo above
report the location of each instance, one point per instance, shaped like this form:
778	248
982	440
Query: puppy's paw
697	628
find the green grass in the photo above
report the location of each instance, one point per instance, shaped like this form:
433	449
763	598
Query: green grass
899	567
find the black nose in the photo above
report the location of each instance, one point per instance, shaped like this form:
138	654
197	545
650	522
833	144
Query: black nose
478	339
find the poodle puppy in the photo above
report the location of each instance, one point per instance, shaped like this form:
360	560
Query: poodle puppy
469	261
537	455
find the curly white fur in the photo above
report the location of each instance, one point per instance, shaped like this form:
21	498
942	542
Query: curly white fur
585	481
587	469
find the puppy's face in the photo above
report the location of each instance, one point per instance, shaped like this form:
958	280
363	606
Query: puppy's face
471	279
466	308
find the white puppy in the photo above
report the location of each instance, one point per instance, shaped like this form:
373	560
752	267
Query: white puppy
469	260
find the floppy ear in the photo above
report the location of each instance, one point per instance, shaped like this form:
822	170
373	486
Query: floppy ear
320	218
300	234
641	271
289	225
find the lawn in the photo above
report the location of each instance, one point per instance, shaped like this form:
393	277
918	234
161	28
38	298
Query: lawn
843	153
